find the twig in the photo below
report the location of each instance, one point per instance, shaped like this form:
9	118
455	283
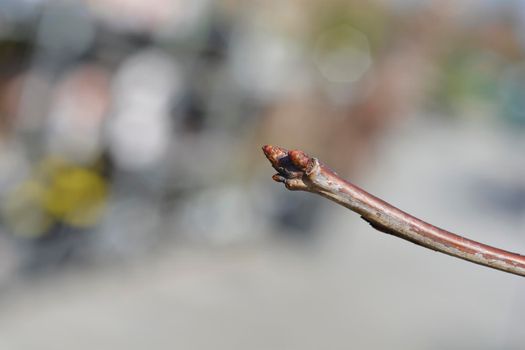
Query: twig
299	172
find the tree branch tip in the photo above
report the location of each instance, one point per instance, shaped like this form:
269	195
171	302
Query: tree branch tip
300	172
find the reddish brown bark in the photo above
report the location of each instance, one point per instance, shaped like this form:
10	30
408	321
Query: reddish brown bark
298	171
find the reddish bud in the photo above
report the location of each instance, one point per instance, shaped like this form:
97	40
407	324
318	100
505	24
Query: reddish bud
299	159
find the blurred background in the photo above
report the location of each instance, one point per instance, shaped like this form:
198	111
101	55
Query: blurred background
137	209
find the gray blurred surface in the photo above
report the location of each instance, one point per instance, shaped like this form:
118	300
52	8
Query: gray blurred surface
356	288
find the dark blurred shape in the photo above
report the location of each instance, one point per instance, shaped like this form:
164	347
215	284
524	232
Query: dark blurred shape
504	197
297	216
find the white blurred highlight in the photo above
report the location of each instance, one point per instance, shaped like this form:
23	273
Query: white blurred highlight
266	64
342	54
140	129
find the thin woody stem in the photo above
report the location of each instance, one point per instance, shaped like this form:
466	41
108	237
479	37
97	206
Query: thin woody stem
299	172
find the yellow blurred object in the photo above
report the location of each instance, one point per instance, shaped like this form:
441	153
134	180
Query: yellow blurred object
76	196
57	192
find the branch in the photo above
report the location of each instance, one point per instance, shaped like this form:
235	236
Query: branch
299	172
